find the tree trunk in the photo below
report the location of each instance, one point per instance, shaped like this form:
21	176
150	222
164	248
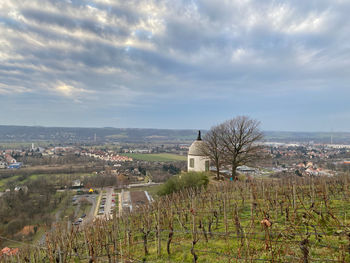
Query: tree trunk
234	173
218	172
170	238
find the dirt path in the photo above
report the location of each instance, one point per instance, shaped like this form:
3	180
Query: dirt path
108	204
125	200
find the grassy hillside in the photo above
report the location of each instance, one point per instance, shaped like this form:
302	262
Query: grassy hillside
295	220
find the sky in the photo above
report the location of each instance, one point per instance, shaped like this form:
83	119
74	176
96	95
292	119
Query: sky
175	64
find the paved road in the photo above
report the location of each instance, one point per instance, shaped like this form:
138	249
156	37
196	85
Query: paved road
143	184
89	217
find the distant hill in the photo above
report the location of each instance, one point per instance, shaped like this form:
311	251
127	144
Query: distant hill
87	135
305	137
72	135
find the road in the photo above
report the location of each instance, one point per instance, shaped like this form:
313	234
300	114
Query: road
89	217
143	184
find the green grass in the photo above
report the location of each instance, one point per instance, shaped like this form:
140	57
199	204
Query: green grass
41	231
117	136
4	182
84	209
157	157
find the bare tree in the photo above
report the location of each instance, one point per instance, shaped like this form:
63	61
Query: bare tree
213	148
238	137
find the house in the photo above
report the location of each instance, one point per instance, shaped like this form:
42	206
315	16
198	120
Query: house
309	164
76	184
311	171
22	188
3	165
245	169
197	161
9	159
6	251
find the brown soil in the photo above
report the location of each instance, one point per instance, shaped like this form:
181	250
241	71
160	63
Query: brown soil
138	198
27	230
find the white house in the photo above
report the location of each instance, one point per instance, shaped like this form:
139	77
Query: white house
196	160
2	165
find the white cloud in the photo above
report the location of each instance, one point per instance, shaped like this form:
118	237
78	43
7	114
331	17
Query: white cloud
70	91
12	89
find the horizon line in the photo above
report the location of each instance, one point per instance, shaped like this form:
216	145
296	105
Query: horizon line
152	128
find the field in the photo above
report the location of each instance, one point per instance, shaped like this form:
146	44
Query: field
53	169
11	181
157	157
290	220
23	145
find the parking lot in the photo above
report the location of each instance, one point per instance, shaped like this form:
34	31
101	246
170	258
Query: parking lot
107	203
83	217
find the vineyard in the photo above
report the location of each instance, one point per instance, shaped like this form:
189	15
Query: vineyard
287	220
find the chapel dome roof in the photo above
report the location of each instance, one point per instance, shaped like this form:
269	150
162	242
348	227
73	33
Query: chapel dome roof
196	146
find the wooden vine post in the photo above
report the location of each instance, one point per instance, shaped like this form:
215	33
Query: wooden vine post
294	202
158	231
225	216
194	230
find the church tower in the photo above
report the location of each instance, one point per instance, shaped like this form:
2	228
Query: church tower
196	160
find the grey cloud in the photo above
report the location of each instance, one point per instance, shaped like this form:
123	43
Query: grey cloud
181	48
72	23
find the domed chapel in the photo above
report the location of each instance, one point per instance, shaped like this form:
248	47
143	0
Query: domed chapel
196	160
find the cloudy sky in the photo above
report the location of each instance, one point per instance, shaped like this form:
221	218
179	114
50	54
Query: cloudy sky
175	64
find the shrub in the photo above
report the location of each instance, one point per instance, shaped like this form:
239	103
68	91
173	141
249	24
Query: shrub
15	226
241	177
183	181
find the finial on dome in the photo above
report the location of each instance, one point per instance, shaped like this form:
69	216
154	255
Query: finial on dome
199	138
